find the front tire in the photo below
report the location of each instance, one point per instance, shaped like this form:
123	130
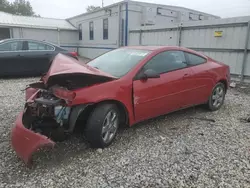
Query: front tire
217	97
102	125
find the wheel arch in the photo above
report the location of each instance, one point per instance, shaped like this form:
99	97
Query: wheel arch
224	81
122	108
84	114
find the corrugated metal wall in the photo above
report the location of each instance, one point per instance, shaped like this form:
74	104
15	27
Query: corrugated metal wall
40	34
65	38
232	48
161	38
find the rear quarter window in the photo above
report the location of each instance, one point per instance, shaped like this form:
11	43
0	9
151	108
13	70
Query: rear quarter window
195	59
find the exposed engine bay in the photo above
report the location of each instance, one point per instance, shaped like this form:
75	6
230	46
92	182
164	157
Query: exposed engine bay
47	115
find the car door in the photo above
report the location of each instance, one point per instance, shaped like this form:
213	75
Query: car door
170	92
10	58
38	56
202	77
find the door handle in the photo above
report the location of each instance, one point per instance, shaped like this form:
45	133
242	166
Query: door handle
19	55
186	75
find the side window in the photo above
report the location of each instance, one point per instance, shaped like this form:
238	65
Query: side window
91	30
80	31
11	46
167	61
105	29
195	59
48	47
36	46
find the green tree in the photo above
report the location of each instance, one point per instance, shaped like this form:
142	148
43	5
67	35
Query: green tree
91	8
22	7
18	7
5	6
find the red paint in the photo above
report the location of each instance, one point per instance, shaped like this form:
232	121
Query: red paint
142	99
29	92
25	142
75	54
151	94
172	91
64	94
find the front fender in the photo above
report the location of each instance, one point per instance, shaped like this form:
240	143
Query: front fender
75	112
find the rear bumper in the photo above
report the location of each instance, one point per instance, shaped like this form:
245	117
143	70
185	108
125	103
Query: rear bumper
25	142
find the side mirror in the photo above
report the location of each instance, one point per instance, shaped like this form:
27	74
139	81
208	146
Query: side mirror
149	73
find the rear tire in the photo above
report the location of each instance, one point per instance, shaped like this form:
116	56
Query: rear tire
217	97
102	125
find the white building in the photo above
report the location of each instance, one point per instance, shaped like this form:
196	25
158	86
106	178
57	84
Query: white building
107	28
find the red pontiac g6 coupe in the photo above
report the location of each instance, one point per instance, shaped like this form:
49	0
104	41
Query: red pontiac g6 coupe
123	86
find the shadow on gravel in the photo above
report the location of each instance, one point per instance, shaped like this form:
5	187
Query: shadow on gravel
189	113
75	145
242	88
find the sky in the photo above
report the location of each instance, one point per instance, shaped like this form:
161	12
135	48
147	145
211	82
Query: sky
68	8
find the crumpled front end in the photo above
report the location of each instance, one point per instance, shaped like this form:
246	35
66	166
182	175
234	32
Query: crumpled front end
25	142
49	113
43	121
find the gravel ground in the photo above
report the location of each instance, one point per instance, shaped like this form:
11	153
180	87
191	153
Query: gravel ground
177	150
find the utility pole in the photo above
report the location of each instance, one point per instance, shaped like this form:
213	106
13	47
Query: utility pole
102	3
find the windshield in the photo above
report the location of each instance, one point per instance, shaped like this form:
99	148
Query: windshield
118	62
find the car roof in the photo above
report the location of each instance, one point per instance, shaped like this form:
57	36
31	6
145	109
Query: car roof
161	48
153	48
16	39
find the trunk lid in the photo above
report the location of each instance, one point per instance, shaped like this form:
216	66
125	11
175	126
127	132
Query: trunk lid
68	72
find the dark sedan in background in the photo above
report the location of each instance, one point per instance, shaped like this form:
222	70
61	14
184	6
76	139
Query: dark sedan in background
26	57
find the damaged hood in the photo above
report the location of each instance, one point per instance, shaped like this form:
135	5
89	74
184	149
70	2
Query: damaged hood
65	71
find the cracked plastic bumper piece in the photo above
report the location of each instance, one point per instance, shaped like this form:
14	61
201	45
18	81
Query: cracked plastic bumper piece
25	142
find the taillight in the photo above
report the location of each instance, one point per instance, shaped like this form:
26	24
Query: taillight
228	75
75	54
63	93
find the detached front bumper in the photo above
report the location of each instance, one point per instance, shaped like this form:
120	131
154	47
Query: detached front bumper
25	142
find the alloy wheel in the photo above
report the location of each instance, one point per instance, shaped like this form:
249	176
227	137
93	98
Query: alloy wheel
218	96
109	126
